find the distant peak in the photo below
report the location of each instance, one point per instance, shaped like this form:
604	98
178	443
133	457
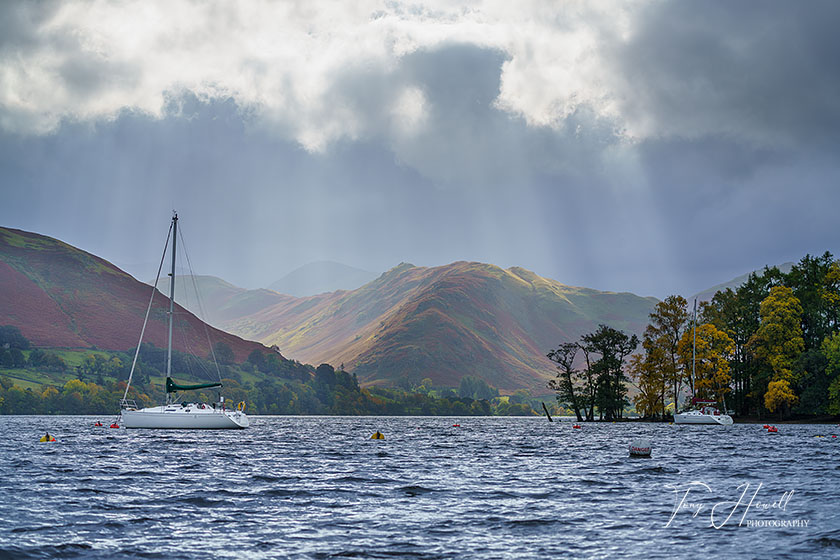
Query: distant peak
402	266
321	277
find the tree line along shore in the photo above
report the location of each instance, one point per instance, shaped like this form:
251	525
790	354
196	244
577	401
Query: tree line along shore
64	381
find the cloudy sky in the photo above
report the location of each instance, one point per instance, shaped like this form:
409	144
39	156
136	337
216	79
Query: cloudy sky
655	147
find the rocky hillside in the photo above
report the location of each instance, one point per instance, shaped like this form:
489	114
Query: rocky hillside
443	323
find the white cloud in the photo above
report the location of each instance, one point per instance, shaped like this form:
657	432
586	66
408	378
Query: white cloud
91	60
654	69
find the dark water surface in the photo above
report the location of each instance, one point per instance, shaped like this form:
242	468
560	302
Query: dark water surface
317	487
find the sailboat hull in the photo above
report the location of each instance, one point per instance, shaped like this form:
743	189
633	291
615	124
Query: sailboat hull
184	418
694	417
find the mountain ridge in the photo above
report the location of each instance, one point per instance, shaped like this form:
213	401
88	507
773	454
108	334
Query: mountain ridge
464	318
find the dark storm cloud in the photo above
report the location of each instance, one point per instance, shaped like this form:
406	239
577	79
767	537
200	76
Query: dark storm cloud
766	73
741	102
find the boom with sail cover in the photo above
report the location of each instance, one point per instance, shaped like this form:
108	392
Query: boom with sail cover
171	386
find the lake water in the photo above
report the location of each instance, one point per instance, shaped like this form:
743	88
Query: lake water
318	487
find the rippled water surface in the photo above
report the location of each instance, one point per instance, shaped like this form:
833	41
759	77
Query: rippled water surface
318	487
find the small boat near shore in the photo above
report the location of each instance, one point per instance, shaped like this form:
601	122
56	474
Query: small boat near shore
706	412
703	412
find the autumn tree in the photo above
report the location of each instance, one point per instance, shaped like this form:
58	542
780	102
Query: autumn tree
710	361
779	396
778	341
565	383
661	343
650	383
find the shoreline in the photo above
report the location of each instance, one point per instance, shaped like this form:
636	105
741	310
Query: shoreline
821	419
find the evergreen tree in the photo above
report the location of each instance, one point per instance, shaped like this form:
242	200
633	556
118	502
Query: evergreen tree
613	346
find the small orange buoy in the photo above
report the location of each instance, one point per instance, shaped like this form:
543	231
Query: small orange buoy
115	425
98	424
377	435
576	426
772	430
456	425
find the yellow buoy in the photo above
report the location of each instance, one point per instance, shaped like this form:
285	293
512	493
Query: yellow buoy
377	435
47	437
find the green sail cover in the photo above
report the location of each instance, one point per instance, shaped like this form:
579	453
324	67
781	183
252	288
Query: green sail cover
171	386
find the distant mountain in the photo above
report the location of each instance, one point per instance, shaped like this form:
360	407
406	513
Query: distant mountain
443	323
735	283
321	277
60	296
219	302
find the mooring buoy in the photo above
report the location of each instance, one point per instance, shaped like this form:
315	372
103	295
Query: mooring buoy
640	447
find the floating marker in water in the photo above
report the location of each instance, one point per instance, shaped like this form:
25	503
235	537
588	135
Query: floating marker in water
772	429
456	425
640	448
377	435
576	426
47	437
115	425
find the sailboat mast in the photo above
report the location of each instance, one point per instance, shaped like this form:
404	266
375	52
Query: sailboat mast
694	350
171	301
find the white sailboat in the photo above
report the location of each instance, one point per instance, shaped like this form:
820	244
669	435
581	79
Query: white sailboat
172	414
704	412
